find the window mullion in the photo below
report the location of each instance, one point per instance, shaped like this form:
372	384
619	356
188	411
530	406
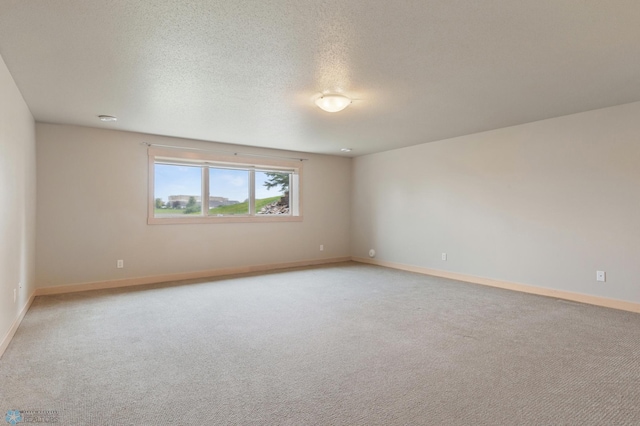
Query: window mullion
205	191
252	192
294	194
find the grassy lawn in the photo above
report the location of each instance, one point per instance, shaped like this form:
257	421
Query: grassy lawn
240	208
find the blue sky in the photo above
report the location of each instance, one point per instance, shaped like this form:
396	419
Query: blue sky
185	180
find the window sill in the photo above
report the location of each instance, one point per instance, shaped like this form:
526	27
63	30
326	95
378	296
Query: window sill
222	219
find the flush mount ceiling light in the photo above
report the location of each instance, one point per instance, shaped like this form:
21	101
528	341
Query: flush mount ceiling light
346	150
107	118
333	103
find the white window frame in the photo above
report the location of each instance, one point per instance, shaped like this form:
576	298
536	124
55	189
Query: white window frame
206	160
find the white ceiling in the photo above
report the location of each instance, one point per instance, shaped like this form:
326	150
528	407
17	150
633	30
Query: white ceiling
246	72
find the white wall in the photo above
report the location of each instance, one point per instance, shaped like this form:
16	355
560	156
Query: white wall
92	186
18	198
545	204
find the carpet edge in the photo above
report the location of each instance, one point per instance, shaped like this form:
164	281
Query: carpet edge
154	279
622	305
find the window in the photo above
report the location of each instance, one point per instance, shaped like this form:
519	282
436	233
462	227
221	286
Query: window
195	187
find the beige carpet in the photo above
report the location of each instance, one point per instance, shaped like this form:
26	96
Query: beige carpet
347	344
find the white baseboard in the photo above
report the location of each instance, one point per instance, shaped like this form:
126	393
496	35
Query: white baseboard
541	291
4	343
128	282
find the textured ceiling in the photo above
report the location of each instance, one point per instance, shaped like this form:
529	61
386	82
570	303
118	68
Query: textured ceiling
246	72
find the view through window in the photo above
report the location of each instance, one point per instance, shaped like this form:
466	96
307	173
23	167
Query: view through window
202	189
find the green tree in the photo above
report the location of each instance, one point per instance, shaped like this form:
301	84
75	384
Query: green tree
192	206
277	180
159	203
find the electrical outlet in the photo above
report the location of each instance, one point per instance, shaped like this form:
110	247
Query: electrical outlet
120	264
321	247
444	256
601	276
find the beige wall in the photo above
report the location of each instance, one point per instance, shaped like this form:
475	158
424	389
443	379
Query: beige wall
545	204
92	210
18	198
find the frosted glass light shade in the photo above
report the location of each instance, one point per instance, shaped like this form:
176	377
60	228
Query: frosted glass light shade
333	103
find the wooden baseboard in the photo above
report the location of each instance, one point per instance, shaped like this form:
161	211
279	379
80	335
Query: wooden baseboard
4	343
540	291
128	282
